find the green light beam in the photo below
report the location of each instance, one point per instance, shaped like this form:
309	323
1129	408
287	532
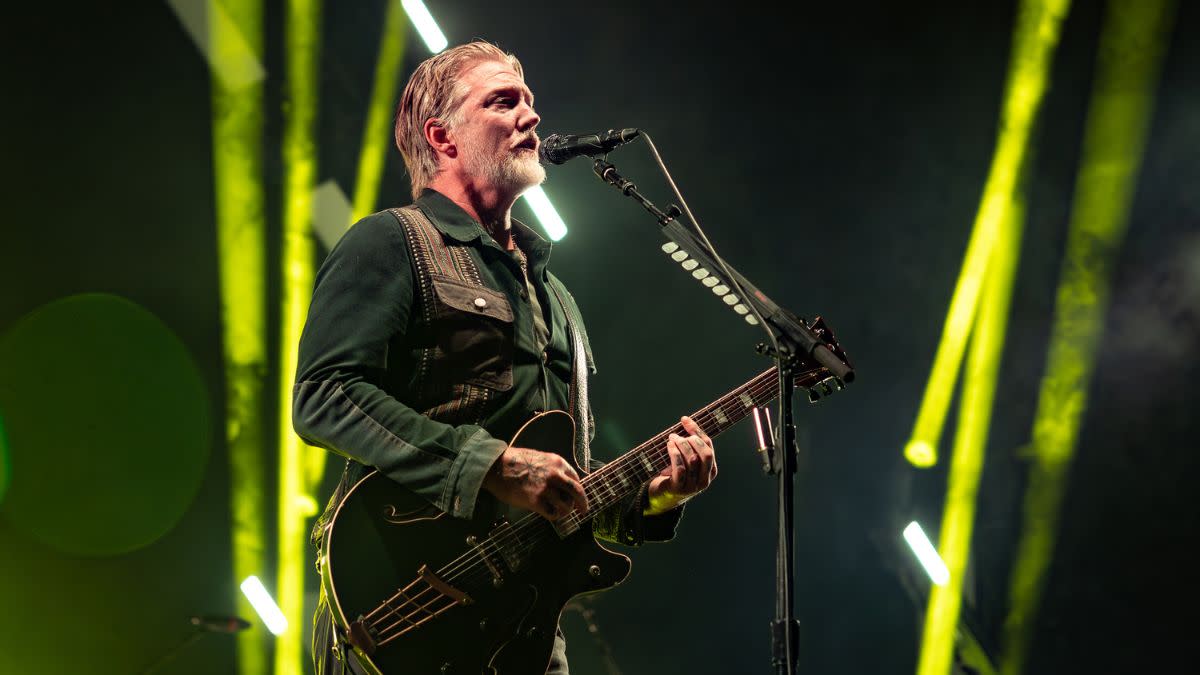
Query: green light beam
302	34
235	26
377	132
970	445
1132	43
1034	41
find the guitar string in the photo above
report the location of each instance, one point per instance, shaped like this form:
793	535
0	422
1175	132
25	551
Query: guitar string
422	608
624	468
458	572
628	466
533	520
453	572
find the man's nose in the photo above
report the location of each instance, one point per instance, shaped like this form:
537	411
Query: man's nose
529	119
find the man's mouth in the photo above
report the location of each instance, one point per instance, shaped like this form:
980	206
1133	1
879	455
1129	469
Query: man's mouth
527	144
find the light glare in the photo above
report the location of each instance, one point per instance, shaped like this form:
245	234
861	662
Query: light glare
262	602
423	21
926	554
546	214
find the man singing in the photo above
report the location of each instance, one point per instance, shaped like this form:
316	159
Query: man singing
436	331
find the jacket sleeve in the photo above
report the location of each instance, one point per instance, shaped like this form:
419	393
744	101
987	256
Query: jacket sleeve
362	299
625	523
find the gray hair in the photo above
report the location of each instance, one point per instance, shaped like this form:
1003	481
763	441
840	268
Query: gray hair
435	92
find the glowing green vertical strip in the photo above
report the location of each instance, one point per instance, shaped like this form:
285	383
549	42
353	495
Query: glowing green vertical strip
377	132
3	459
237	115
1132	43
970	444
301	49
1034	42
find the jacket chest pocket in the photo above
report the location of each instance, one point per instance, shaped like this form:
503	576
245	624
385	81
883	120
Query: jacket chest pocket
474	331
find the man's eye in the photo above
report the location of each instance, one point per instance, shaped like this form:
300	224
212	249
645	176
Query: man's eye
504	101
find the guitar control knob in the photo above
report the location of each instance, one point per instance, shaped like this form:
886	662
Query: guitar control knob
483	625
533	633
447	668
594	570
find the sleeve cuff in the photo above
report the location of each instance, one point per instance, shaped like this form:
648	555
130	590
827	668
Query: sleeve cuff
475	458
659	527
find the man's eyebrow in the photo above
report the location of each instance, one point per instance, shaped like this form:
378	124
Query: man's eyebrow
508	89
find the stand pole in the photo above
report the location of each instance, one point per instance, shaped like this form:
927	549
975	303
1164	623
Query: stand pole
785	630
794	343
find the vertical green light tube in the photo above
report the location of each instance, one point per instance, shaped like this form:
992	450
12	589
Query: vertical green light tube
378	130
970	444
296	505
237	113
1132	43
1034	41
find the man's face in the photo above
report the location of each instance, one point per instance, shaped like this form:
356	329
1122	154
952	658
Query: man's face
494	129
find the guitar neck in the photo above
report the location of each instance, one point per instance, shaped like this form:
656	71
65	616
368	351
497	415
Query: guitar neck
625	475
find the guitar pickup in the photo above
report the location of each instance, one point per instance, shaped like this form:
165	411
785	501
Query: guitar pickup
506	537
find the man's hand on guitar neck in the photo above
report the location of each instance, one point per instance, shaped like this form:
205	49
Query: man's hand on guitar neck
693	468
536	481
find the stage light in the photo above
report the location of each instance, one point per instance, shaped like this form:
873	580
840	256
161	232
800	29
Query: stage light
1033	47
546	214
926	554
376	138
1132	43
970	445
232	59
423	21
233	43
302	38
979	310
264	605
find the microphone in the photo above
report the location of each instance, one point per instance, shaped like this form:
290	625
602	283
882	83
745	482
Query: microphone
220	624
558	148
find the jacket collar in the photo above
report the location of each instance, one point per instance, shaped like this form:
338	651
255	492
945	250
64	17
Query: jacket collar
451	220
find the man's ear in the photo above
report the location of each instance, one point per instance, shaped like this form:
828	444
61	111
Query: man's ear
437	135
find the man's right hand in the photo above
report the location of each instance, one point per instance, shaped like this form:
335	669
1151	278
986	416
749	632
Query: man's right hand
536	481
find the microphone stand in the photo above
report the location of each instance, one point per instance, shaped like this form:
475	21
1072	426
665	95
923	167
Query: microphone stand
201	627
170	653
793	344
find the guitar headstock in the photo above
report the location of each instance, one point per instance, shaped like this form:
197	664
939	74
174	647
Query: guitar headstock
817	380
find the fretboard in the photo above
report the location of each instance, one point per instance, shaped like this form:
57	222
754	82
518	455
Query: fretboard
625	475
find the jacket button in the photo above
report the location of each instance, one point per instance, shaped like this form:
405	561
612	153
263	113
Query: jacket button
480	303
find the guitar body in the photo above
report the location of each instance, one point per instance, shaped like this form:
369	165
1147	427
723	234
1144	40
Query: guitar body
414	590
472	597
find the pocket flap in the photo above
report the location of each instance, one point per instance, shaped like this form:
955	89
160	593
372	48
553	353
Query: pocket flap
464	298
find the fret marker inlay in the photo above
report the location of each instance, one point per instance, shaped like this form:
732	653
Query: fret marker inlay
719	415
646	463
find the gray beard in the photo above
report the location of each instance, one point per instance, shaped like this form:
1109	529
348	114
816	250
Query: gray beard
510	174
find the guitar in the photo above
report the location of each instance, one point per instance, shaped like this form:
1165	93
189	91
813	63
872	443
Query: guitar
413	590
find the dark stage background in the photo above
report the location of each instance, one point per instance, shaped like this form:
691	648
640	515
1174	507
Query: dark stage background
835	156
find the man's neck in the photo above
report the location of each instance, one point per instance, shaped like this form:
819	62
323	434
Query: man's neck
489	207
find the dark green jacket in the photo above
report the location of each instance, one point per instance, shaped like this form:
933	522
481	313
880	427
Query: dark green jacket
363	385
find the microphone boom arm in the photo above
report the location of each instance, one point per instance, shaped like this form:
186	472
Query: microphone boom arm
796	339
